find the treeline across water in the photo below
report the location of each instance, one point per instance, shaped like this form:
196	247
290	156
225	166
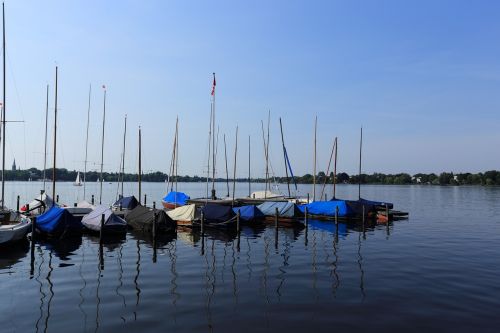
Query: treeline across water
445	178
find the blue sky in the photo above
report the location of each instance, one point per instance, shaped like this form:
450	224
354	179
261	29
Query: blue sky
422	77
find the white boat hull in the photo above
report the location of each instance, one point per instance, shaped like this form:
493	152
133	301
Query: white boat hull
14	232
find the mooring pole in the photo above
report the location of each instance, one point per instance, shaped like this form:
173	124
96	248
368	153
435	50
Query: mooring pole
92	200
33	231
276	216
145	197
363	219
32	263
17	205
337	216
306	222
154	232
202	219
387	215
101	228
57	198
238	216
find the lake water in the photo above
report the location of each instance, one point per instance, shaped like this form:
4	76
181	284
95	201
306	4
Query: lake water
438	271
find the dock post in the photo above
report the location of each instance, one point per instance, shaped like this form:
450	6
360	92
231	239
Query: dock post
120	206
74	204
276	215
336	222
32	263
92	201
306	222
325	196
363	221
145	197
307	197
57	198
202	218
238	216
387	216
154	232
17	205
27	209
101	228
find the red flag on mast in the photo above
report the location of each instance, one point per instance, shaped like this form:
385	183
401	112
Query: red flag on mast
213	87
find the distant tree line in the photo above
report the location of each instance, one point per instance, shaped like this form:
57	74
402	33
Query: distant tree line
445	178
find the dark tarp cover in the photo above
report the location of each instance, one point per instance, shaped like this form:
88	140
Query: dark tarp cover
127	203
248	213
141	218
327	208
376	203
178	198
217	213
57	221
285	209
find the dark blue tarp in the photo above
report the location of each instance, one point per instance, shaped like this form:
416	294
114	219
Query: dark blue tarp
56	221
178	198
249	213
327	208
376	203
217	213
127	203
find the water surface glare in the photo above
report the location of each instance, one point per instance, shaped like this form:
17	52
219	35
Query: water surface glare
437	271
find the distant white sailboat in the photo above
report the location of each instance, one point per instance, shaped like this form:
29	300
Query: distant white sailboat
78	181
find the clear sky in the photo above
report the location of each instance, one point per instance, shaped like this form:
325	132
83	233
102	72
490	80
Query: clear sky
421	77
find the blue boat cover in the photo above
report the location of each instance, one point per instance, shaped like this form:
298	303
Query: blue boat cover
178	198
127	203
327	208
285	209
57	220
248	213
376	203
217	213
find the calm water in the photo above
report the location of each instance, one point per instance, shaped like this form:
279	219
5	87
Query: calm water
438	271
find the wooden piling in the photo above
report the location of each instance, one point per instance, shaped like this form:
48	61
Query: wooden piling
101	231
74	204
306	218
325	196
202	219
337	216
387	216
17	205
276	216
154	221
33	231
92	201
57	198
238	216
120	206
27	209
145	197
307	197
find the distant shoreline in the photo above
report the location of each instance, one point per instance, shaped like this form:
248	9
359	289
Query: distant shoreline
487	178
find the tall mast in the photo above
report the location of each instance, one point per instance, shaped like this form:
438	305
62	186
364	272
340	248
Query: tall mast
227	173
123	155
234	168
171	171
140	165
176	152
249	179
102	143
3	110
55	144
314	159
359	173
45	149
267	149
335	168
328	169
86	143
265	153
213	139
284	158
209	145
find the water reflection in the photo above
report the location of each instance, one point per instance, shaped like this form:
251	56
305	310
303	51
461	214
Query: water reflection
12	254
225	276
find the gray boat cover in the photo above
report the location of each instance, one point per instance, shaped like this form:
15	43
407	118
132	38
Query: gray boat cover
285	209
92	220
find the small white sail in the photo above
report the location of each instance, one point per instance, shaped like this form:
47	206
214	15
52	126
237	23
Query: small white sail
78	181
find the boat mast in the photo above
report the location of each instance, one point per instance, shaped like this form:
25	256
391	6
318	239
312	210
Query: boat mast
102	143
314	159
284	158
123	155
55	144
249	179
140	165
265	154
267	151
209	146
328	169
234	168
359	173
227	173
86	142
3	110
335	169
176	152
46	126
213	139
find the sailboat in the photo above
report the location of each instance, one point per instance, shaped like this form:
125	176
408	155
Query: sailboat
13	226
78	181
